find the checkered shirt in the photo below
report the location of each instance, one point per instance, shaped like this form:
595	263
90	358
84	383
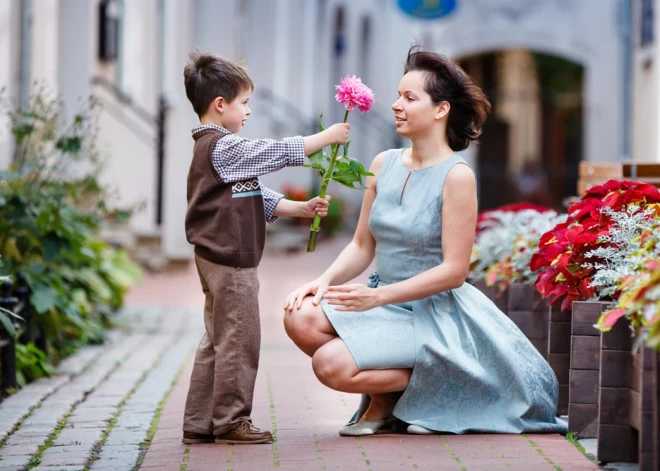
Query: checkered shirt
238	159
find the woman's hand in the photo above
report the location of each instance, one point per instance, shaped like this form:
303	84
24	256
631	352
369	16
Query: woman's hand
318	288
353	297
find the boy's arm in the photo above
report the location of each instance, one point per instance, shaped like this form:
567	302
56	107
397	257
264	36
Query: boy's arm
237	159
276	205
271	199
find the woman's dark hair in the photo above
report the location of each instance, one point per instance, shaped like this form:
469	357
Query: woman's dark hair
446	81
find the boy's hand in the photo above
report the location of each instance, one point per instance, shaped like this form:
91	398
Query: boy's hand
338	133
316	205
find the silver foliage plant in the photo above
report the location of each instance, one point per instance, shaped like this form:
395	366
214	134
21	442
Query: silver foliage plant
620	255
513	237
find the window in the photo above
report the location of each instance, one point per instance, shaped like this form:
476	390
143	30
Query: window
110	14
646	23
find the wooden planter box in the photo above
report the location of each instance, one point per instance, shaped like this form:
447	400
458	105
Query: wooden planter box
656	414
559	348
530	313
501	300
584	368
627	395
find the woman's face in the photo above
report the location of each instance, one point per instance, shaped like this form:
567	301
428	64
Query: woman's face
414	111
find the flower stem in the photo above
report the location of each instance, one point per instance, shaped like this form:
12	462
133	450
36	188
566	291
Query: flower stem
315	227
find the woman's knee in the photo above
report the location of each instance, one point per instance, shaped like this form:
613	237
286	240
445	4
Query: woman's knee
333	365
301	321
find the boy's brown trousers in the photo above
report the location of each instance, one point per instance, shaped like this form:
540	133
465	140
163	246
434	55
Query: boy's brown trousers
226	362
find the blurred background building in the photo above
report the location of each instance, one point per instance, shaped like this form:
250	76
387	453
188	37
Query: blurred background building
569	80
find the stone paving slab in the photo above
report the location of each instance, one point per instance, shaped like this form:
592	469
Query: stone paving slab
122	444
123	380
53	408
305	416
17	406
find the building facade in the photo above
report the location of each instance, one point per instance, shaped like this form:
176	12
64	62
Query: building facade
130	54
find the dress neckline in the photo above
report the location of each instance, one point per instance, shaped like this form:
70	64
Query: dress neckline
400	160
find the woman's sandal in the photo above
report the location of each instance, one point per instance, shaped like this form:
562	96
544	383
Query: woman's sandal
419	430
367	427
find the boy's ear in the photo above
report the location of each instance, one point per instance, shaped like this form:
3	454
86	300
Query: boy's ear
219	104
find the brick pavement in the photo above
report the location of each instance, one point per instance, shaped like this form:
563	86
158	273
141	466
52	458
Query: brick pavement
305	416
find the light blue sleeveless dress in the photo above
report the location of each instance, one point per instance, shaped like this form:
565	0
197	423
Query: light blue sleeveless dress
473	369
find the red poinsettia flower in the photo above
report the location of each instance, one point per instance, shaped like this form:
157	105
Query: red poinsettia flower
562	251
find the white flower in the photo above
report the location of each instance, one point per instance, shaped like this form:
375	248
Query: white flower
512	236
620	255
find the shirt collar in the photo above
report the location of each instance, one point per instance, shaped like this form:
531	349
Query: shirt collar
202	127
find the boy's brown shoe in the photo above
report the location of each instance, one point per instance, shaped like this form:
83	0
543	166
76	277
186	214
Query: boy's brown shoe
191	438
245	433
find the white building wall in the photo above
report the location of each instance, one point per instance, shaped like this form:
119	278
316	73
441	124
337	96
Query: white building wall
180	26
9	51
288	48
76	21
645	91
584	31
44	60
139	49
126	143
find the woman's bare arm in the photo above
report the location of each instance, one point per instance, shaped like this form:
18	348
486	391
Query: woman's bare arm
359	253
356	256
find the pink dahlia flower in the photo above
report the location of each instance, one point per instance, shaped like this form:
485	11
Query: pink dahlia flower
352	93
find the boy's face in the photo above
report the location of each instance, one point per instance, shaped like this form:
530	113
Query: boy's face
234	114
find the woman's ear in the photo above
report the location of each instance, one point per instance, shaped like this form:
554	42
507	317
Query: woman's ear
443	110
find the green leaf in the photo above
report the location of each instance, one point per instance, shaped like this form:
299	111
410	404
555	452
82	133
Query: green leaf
321	128
43	298
11	314
20	379
346	177
35	269
348	143
320	162
22	131
6	323
96	283
69	144
358	168
53	245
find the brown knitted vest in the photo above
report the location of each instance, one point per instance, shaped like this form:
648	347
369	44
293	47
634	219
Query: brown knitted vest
226	222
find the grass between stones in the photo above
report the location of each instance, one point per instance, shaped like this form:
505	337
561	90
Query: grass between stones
499	456
273	421
144	446
363	453
310	409
20	421
540	452
451	452
573	440
36	459
18	424
96	450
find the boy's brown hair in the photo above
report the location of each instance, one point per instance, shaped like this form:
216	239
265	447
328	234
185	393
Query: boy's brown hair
208	76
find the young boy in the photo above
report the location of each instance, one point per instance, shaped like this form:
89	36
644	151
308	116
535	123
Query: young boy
225	221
